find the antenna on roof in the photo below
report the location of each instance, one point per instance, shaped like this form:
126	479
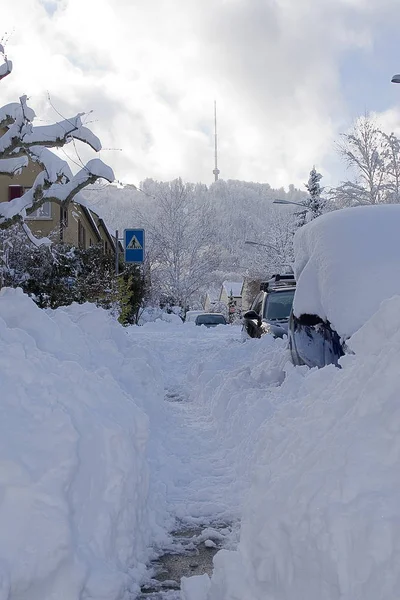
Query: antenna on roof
216	170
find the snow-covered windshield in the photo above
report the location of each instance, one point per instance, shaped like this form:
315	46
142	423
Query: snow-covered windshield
278	305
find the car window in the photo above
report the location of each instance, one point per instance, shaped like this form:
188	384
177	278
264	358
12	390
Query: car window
278	305
257	303
210	320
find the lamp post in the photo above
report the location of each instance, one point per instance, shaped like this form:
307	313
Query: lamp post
277	201
251	243
395	78
304	215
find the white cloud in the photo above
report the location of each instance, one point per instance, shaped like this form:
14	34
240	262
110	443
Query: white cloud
151	70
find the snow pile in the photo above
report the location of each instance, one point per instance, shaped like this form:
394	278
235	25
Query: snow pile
322	518
154	313
75	516
347	262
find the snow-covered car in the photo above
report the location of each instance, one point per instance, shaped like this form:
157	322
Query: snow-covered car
191	315
346	263
210	319
270	310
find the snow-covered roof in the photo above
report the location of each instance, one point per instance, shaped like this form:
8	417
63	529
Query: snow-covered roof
213	294
346	263
233	286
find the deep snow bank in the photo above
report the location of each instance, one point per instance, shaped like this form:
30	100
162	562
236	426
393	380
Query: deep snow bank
347	262
75	517
322	519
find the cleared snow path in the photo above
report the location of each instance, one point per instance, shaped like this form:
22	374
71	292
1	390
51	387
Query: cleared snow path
193	466
201	465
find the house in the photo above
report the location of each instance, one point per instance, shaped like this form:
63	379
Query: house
231	296
212	299
76	225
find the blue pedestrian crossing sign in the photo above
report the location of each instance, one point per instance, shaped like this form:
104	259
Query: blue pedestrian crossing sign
134	245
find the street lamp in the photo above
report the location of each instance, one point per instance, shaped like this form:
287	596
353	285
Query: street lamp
396	78
290	202
261	244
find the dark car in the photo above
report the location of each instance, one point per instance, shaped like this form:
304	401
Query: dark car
270	310
210	319
313	342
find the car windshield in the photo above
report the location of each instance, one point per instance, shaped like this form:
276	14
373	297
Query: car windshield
210	320
278	305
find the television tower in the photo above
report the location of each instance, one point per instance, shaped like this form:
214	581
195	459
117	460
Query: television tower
216	170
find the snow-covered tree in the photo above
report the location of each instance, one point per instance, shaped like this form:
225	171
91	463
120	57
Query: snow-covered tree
315	203
391	160
22	142
181	236
362	151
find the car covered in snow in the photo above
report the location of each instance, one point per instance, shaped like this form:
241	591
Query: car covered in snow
210	319
191	315
270	309
346	263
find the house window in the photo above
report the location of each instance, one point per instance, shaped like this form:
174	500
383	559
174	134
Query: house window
15	191
63	221
42	213
64	216
81	235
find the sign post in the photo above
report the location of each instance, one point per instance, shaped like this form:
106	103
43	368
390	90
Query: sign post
134	245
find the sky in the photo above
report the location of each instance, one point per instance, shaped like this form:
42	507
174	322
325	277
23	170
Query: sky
288	76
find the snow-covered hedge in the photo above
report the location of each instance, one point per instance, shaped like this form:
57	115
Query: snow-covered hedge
75	515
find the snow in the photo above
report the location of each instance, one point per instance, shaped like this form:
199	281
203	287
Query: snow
10	111
322	516
13	165
75	513
195	588
6	67
233	286
59	131
347	262
112	437
42	241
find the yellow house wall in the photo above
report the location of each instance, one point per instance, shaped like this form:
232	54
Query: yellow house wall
75	213
225	299
50	227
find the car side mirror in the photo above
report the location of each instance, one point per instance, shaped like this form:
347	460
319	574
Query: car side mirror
252	316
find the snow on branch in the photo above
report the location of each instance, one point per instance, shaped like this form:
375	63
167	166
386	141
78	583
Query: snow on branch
22	142
58	134
34	240
9	113
13	166
6	66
